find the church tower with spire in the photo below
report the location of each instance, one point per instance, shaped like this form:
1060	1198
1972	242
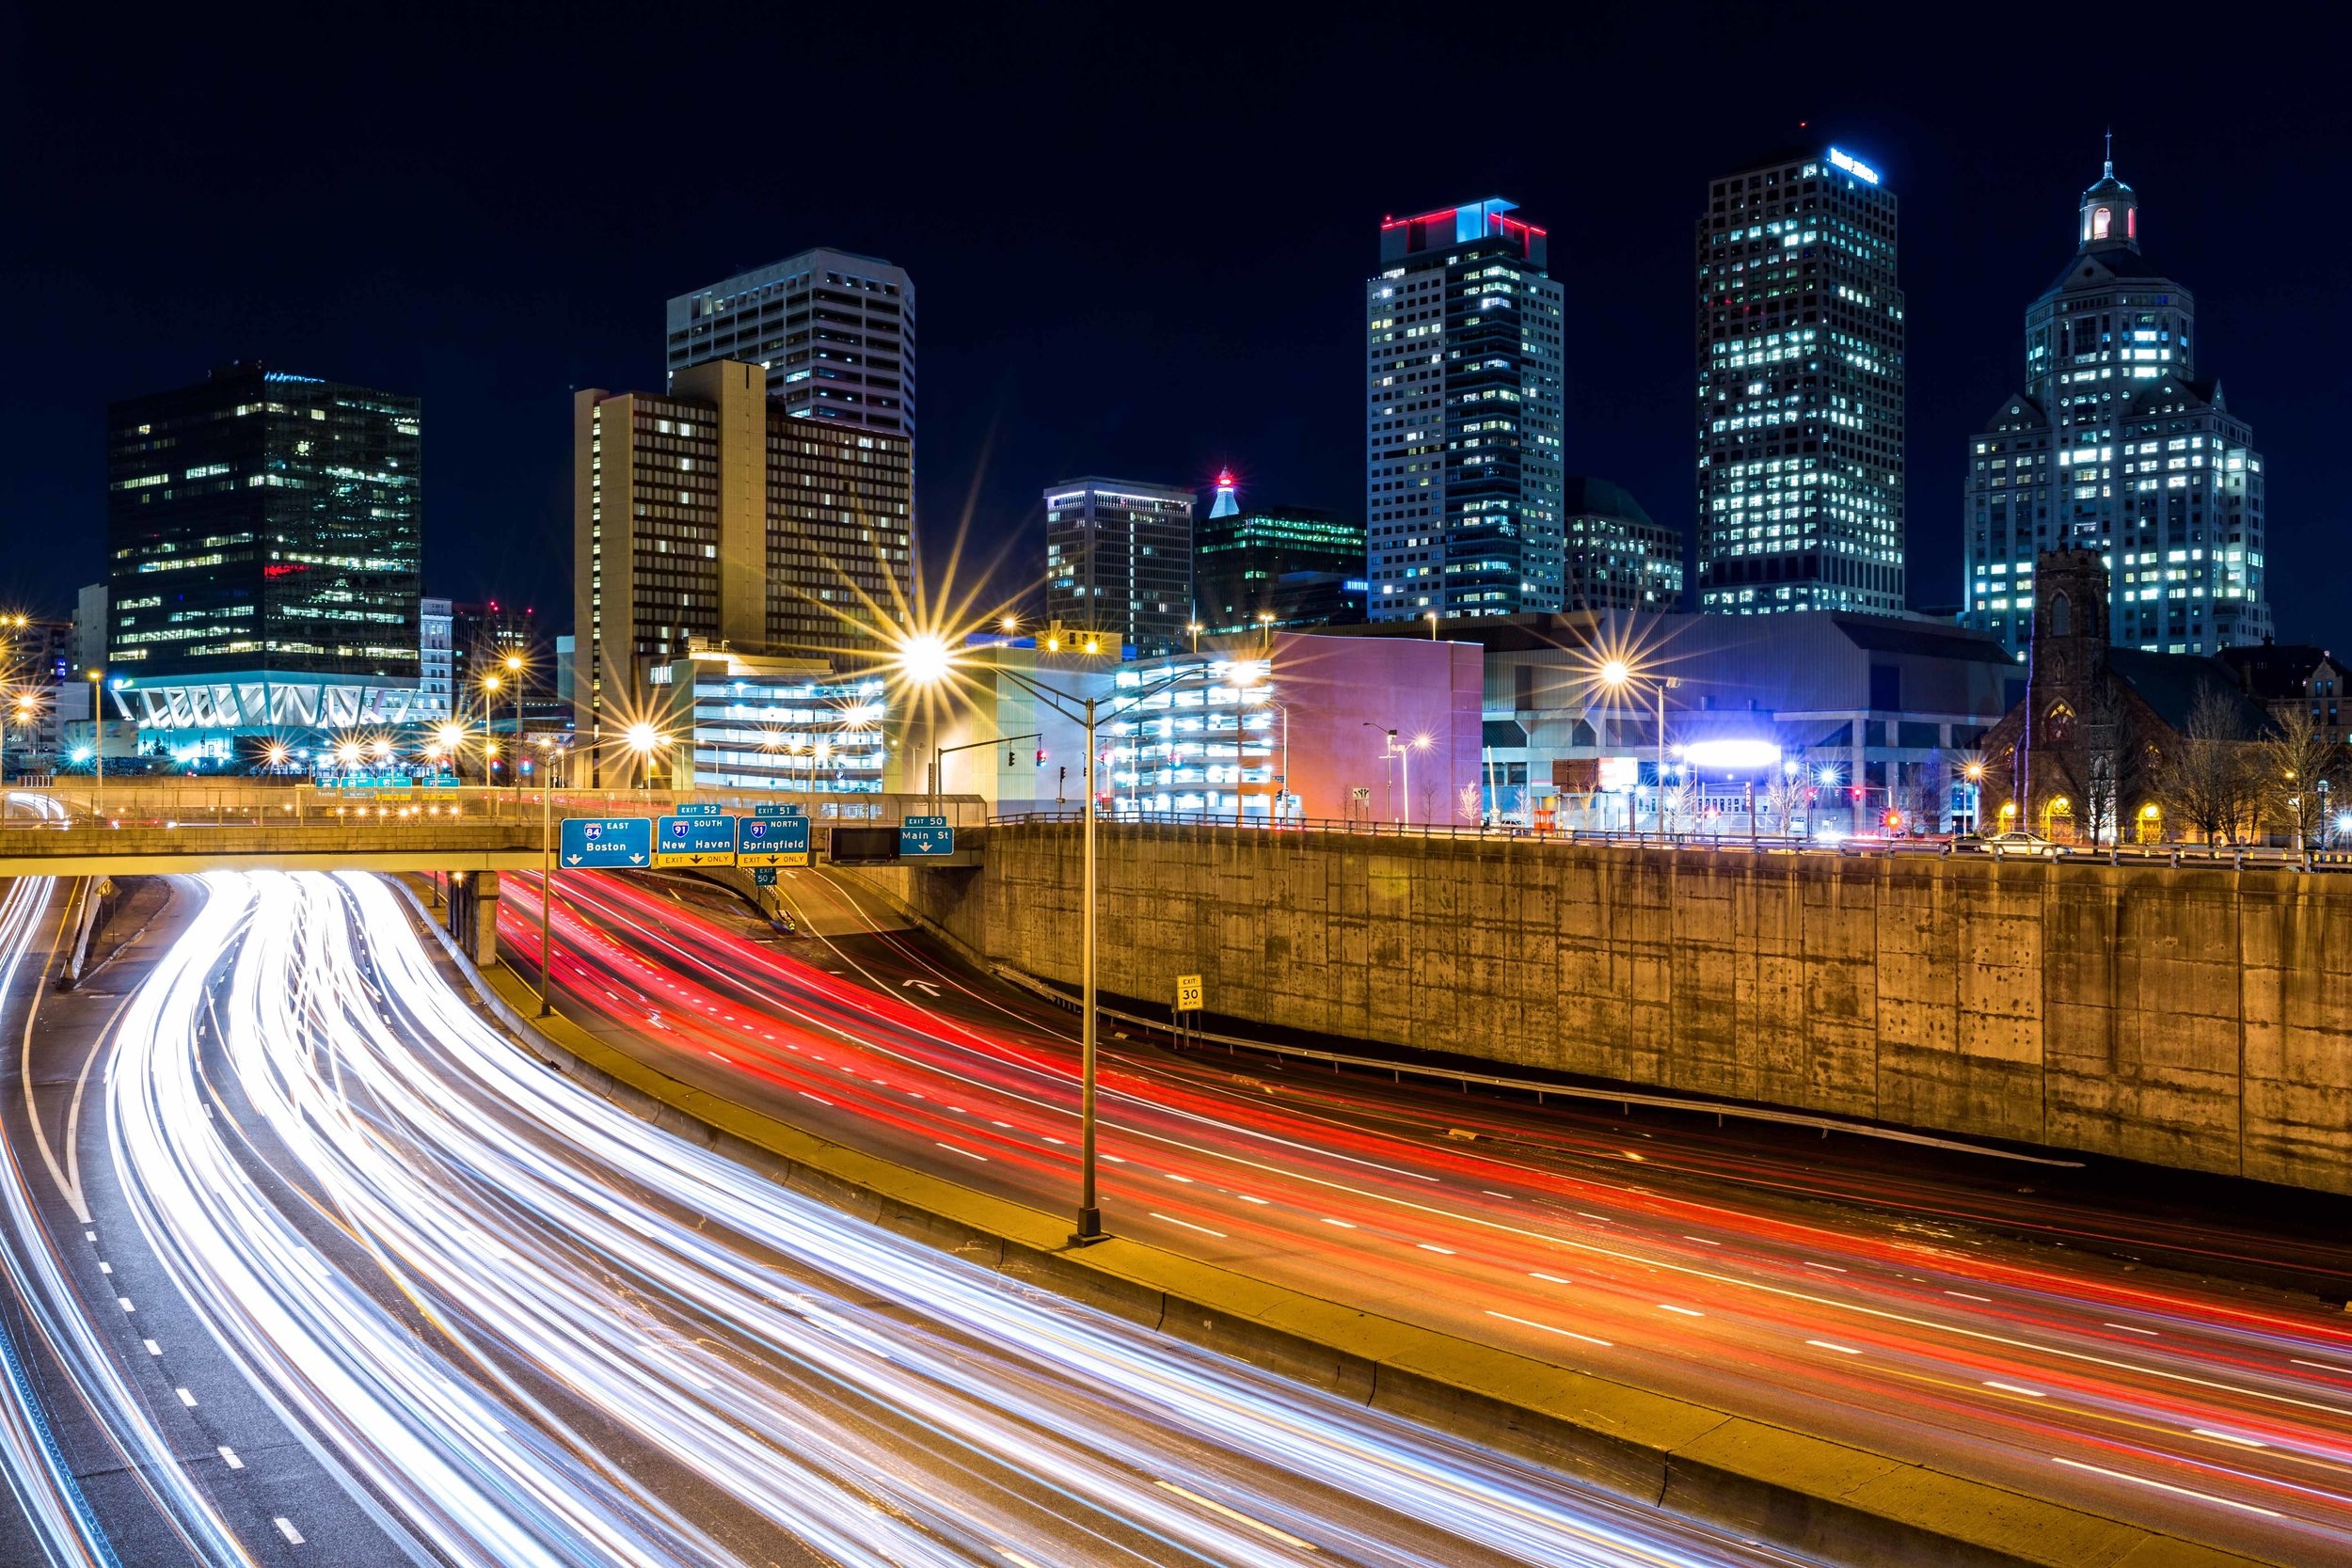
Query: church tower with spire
2114	446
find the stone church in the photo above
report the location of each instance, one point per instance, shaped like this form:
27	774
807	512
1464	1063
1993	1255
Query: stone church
2081	758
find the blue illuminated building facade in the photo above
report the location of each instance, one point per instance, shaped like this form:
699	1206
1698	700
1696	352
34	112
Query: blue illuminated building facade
2115	446
1800	390
1463	389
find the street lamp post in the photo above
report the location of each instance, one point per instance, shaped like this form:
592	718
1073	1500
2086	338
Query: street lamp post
98	740
514	678
927	660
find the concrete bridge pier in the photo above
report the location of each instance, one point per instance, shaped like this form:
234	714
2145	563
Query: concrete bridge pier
472	913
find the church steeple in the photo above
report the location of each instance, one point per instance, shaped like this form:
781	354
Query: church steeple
2110	213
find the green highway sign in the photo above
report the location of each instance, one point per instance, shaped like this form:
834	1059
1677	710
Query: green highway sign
764	876
698	808
925	835
602	843
773	808
695	841
771	840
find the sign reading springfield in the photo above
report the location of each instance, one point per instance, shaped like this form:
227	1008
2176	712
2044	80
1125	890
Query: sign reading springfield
765	841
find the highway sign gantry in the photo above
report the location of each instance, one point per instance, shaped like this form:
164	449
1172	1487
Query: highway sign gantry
925	835
695	841
771	840
605	843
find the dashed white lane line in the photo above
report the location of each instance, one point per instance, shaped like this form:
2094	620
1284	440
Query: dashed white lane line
285	1527
1344	1225
1174	1177
2323	1365
1831	1267
1829	1344
1702	1240
1188	1225
1005	1552
2165	1486
1548	1328
2013	1388
153	1348
1051	1139
185	1398
1548	1278
1686	1311
126	1304
1263	1202
2129	1328
2227	1437
965	1152
806	1095
229	1457
1965	1297
1236	1515
1432	1247
104	1267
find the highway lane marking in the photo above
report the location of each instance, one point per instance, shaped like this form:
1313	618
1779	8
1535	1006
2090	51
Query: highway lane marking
229	1457
185	1398
1005	1552
2323	1365
285	1527
965	1152
1831	1267
1686	1311
2129	1329
1188	1225
2227	1437
1344	1225
68	1180
1965	1297
1432	1247
1563	1333
2166	1486
104	1267
1246	1197
1236	1515
1702	1240
1051	1139
153	1348
1174	1177
1549	1278
2012	1388
126	1304
1828	1344
806	1095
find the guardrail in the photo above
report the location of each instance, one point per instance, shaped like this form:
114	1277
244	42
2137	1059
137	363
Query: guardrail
2237	857
1540	1090
173	803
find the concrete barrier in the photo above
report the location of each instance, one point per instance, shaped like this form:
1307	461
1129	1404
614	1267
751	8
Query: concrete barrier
1754	1476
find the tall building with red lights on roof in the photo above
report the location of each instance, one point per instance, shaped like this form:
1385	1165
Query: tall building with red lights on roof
1463	422
1800	389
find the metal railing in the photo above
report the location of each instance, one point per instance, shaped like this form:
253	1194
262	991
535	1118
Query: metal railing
173	803
2236	857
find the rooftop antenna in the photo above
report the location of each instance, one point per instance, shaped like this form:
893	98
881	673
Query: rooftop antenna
2110	164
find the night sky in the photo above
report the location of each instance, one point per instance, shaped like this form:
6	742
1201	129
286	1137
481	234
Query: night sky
1139	247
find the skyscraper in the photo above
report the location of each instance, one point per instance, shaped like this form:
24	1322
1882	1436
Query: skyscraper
1242	554
263	531
1616	557
709	512
1800	389
2115	447
1463	418
834	331
1119	560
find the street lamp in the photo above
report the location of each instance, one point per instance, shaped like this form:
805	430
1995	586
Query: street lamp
644	740
1618	675
1432	618
926	660
97	738
514	672
1195	628
26	705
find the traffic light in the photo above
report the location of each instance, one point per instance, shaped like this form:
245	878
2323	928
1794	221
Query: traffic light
1894	822
1012	757
1041	756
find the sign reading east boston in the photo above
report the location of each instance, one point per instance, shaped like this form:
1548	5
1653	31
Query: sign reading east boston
766	840
605	843
695	841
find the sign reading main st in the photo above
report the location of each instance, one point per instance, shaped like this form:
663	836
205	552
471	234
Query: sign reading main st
925	835
771	840
602	843
695	841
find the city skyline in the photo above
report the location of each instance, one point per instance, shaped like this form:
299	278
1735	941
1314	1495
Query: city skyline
1195	393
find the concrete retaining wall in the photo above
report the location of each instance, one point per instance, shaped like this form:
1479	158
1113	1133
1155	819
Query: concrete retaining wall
2193	1017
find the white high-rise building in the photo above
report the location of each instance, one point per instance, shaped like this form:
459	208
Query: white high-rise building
1463	378
2115	447
834	331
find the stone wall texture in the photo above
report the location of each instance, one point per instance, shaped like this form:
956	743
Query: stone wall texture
2192	1018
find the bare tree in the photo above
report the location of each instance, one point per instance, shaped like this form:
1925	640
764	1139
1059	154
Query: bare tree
2298	765
1468	801
2208	780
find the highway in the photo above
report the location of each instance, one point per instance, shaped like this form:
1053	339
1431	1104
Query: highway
1941	1307
507	1323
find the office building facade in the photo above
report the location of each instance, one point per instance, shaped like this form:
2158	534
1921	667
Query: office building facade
2115	446
264	531
834	331
710	513
1463	429
1119	556
1800	389
1243	554
436	661
1616	557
